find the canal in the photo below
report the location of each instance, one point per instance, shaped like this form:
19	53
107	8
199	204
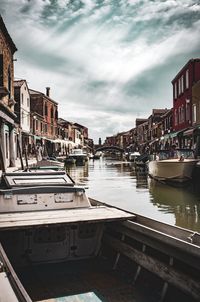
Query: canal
119	184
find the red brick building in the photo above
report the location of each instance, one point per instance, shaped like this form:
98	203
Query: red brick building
183	111
45	127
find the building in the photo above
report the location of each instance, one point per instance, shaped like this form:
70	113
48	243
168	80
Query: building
184	113
8	131
65	136
44	128
80	135
22	110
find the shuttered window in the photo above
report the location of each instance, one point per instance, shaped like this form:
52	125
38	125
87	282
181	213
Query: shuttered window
1	70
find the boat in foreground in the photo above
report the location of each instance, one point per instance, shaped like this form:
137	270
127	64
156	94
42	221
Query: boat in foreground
176	167
56	244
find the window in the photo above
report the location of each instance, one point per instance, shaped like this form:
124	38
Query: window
46	109
1	70
28	120
56	114
175	90
41	127
182	84
194	113
52	115
187	79
187	110
179	86
22	98
36	124
182	114
9	82
23	117
28	102
45	128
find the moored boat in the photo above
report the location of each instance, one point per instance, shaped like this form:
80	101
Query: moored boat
133	156
59	245
176	166
78	155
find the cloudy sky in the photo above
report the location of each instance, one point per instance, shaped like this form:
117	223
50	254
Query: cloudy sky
107	62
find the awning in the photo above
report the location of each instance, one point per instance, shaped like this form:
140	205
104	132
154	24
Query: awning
188	132
173	134
48	139
37	137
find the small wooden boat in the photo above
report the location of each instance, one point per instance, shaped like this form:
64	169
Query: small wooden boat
56	244
176	167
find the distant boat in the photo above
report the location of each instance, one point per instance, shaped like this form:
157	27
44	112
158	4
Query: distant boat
90	155
79	155
97	155
50	161
176	167
133	156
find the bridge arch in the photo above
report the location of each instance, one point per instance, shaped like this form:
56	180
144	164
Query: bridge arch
107	148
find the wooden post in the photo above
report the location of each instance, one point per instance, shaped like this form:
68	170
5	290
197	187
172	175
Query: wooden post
26	156
20	152
12	146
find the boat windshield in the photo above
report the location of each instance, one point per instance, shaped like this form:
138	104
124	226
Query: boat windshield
177	153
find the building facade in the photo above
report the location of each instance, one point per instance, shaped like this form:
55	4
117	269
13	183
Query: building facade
8	132
184	113
45	126
22	110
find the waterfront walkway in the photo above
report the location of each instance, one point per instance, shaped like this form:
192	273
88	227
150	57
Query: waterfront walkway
31	162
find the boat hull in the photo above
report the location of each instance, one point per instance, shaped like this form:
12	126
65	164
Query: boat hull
172	170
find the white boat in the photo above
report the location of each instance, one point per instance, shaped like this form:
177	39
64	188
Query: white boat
79	156
173	167
56	244
133	156
50	161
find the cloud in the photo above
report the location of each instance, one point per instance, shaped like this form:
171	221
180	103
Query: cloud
107	62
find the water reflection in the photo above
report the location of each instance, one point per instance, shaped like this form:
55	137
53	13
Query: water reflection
182	202
120	184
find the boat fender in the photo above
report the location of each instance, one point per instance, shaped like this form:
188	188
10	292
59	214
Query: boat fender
192	237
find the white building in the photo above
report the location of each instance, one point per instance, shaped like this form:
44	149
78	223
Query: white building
22	109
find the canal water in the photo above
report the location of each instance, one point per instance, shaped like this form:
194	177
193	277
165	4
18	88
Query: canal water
119	184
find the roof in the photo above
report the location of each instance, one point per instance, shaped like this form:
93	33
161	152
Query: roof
79	125
7	36
184	67
159	111
19	83
62	121
35	92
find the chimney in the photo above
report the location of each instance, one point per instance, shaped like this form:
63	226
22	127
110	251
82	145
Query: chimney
48	91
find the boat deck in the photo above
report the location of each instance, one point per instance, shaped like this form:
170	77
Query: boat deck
39	218
86	280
